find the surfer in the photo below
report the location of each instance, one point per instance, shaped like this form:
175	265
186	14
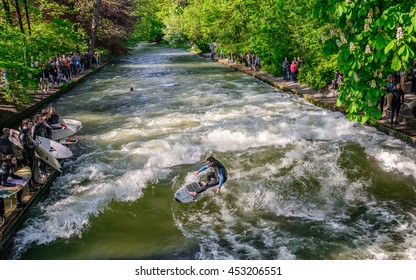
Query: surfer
53	117
218	177
29	145
6	172
6	146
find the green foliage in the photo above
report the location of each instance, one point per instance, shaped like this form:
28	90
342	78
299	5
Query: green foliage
271	29
371	40
17	52
318	72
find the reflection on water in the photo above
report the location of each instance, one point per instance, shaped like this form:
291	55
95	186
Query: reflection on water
304	183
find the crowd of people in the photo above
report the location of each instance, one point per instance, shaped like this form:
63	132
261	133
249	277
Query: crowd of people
249	59
15	158
63	67
60	69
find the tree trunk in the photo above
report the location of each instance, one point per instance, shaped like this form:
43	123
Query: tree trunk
94	25
27	16
7	12
19	15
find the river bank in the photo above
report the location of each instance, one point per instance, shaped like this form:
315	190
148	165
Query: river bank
405	130
10	116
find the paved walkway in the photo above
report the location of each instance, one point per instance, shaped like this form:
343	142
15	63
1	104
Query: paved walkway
405	130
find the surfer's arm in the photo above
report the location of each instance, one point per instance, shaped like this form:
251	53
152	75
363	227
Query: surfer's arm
202	169
14	176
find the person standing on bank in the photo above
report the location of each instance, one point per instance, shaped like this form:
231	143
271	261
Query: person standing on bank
396	103
294	71
218	177
29	145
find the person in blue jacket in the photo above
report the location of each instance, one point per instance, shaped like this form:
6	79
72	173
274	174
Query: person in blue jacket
218	177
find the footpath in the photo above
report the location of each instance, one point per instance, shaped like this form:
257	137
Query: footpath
405	130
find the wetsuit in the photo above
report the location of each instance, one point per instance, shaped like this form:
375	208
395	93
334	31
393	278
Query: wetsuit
54	119
218	177
29	157
6	147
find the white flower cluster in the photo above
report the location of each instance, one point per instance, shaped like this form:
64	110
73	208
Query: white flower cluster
373	84
356	78
339	44
343	40
399	34
366	26
379	72
332	32
323	38
352	47
370	16
367	49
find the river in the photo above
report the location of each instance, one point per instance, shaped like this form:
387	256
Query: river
304	183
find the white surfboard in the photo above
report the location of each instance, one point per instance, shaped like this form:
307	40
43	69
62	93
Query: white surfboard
40	151
58	150
182	195
9	191
72	124
65	128
47	157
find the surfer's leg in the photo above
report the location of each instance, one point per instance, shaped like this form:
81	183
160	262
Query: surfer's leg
194	194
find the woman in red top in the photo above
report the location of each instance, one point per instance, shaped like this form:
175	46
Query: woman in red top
293	69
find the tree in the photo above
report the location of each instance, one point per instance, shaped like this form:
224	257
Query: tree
94	25
7	11
27	16
19	15
371	39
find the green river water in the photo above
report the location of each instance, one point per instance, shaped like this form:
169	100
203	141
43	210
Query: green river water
304	183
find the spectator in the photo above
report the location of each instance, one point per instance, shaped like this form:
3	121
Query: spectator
293	70
286	69
413	73
396	103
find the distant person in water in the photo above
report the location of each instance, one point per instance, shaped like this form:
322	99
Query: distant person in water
131	89
218	177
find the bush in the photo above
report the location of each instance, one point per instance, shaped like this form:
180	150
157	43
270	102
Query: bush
318	74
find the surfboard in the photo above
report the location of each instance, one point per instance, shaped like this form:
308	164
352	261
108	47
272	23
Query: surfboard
182	195
47	157
9	191
73	124
58	150
61	131
65	128
40	151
